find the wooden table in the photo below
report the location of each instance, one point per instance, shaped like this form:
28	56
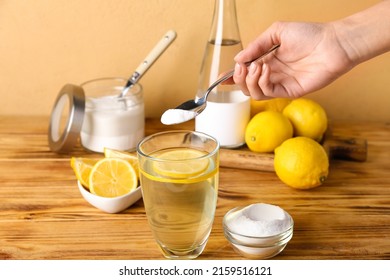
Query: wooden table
43	216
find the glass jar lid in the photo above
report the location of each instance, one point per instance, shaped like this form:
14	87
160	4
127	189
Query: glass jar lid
66	118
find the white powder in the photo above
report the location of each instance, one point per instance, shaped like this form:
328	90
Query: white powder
112	122
259	220
175	116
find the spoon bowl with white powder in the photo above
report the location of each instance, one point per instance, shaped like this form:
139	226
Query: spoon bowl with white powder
176	116
193	107
258	231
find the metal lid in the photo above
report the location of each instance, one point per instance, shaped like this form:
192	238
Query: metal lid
63	141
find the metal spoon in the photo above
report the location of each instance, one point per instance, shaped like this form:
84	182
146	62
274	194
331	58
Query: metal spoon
199	104
155	53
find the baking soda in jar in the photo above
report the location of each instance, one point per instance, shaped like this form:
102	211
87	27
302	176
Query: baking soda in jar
111	121
225	118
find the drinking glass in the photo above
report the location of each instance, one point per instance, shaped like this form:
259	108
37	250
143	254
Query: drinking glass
179	181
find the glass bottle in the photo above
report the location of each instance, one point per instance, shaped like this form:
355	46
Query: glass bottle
228	109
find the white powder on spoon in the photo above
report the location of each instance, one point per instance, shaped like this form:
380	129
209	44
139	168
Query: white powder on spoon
259	220
175	116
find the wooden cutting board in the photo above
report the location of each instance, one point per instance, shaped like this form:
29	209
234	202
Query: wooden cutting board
337	147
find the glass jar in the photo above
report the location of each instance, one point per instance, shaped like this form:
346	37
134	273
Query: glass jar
228	110
109	120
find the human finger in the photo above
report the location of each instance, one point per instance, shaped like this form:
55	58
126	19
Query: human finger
252	81
239	77
265	82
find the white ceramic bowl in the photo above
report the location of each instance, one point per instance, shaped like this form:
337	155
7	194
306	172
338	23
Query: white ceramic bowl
111	204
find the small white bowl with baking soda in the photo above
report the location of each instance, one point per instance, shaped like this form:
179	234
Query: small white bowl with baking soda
258	231
111	204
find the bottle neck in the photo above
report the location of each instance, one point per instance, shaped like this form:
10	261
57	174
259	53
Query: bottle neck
224	28
223	44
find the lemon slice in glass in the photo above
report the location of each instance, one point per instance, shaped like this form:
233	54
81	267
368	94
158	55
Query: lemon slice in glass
82	168
112	177
131	158
180	163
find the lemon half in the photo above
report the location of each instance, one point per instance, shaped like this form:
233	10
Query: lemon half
130	157
111	177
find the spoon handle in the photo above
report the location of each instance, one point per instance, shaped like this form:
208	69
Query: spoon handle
155	53
231	72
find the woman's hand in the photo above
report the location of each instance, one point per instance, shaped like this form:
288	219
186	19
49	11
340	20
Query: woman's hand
309	57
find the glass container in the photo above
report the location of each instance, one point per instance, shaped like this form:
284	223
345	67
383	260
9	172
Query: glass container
109	120
228	109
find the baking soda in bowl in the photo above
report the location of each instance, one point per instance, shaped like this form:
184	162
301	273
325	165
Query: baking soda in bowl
111	121
258	231
259	220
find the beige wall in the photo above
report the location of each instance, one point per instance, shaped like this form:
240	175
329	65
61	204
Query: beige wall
47	43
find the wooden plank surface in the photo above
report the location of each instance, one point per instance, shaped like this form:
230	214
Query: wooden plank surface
43	216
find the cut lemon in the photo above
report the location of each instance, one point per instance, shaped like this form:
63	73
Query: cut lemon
82	168
111	177
131	158
180	163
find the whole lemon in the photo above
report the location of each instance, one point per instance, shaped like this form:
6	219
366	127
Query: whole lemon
307	117
301	163
274	104
267	130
